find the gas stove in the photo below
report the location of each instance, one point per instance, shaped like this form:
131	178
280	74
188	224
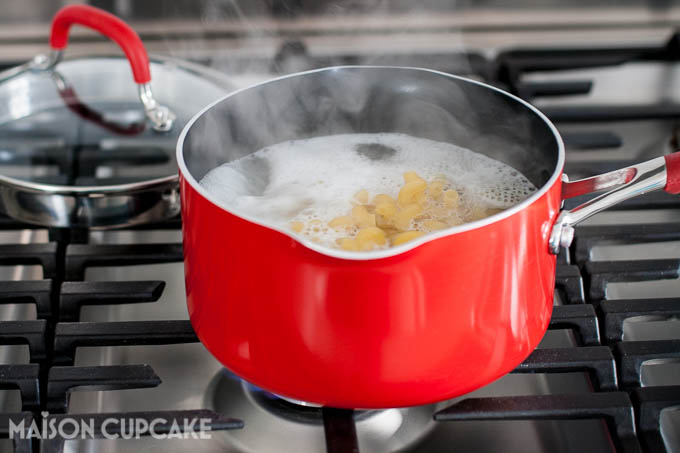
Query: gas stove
93	324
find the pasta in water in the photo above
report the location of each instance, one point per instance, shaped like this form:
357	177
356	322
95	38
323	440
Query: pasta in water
364	192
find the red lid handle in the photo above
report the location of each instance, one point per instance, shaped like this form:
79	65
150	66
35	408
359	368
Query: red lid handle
672	172
108	25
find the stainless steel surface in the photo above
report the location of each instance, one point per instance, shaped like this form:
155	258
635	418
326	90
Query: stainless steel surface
368	99
30	97
628	182
188	370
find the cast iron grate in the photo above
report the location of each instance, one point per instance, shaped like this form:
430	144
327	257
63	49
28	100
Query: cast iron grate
649	403
71	335
81	256
63	380
590	236
598	361
512	64
48	381
569	282
30	332
615	313
74	295
601	273
614	407
38	292
25	378
44	255
581	319
633	354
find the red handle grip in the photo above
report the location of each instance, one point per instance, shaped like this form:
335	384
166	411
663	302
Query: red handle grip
672	172
108	25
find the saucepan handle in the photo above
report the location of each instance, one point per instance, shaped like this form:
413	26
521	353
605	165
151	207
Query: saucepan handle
109	25
656	174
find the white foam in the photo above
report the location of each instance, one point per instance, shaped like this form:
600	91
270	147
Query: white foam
317	178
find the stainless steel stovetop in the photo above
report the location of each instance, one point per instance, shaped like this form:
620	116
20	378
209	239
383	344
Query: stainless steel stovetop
192	379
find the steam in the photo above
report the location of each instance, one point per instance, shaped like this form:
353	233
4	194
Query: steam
252	41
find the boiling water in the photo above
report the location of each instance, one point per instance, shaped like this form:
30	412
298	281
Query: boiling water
316	179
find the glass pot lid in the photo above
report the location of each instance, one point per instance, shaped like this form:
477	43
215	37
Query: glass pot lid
81	123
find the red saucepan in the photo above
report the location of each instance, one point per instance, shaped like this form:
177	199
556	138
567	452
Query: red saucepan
421	322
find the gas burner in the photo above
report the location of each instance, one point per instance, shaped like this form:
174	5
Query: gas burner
273	398
282	425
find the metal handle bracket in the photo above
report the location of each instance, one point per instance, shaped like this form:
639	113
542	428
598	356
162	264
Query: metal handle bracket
625	183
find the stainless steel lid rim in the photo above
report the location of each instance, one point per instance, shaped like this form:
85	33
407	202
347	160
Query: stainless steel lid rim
96	211
88	191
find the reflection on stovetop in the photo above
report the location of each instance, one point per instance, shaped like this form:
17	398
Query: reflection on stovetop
102	326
